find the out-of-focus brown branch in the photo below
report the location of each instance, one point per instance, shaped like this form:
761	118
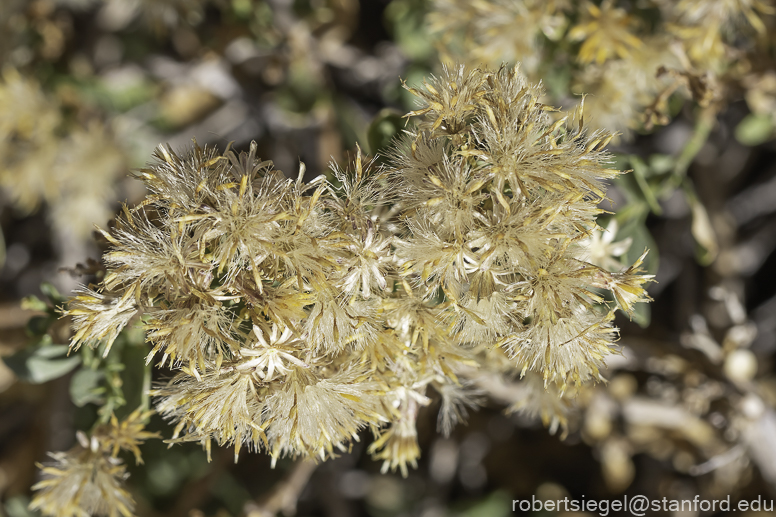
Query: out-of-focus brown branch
196	491
283	496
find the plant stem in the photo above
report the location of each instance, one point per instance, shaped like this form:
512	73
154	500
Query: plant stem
703	127
285	494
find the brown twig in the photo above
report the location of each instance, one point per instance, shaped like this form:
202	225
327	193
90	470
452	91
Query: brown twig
283	496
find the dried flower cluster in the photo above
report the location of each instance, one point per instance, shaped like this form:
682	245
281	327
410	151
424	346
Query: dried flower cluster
89	479
297	314
630	58
74	174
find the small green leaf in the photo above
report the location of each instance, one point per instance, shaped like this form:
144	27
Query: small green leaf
558	80
33	303
635	207
39	325
51	293
641	239
642	314
242	8
415	75
406	19
18	506
384	128
42	363
755	129
85	387
661	163
496	504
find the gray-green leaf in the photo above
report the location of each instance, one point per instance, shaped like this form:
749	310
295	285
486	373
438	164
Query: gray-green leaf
42	364
754	129
85	387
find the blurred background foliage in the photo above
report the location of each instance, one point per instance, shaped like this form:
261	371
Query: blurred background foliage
89	87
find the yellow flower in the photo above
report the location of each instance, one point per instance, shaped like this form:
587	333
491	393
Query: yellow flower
606	32
88	480
82	483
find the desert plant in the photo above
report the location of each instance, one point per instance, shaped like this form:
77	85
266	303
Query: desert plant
295	314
